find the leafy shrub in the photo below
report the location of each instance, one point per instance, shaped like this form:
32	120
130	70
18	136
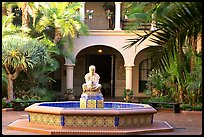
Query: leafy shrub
42	94
128	95
6	103
191	107
36	93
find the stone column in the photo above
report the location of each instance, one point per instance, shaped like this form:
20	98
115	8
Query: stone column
82	11
117	15
128	70
69	75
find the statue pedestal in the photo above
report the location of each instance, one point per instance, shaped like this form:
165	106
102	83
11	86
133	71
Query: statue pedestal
91	100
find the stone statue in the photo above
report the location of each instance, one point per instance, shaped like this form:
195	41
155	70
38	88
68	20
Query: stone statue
92	81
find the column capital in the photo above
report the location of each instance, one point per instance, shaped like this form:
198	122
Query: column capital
118	2
129	66
70	65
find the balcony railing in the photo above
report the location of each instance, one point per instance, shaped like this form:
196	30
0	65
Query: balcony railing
100	22
97	23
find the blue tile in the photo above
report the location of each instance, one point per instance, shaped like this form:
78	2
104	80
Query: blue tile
29	117
116	121
62	120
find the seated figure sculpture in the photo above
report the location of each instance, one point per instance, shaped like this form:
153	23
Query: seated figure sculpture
92	81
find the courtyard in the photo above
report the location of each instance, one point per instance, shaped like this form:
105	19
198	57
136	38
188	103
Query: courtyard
47	49
184	123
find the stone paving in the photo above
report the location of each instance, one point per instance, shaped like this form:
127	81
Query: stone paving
184	123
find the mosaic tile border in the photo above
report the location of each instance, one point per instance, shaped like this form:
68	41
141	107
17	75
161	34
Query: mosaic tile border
92	121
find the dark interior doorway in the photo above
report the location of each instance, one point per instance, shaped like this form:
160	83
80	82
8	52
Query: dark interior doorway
103	64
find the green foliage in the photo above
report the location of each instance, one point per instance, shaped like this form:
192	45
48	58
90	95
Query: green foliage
4	76
128	95
63	16
8	27
6	103
141	12
42	94
36	93
19	51
167	83
189	107
157	99
69	94
179	26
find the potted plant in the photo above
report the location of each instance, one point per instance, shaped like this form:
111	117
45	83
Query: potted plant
69	94
128	95
108	14
90	13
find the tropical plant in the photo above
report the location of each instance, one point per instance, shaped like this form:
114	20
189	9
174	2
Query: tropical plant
28	9
194	82
128	95
64	20
7	25
69	94
6	103
20	53
180	27
140	13
63	17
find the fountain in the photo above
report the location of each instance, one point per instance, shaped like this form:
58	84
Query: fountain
90	115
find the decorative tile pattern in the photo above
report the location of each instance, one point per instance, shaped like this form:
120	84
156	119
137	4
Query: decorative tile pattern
91	103
100	103
135	120
82	103
48	119
90	121
91	100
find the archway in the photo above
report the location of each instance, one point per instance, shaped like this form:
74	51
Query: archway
106	60
141	70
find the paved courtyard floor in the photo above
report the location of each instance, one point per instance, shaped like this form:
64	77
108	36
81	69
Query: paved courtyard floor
184	123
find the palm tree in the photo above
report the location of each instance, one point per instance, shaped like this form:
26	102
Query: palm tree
7	25
181	26
20	53
141	13
64	19
28	9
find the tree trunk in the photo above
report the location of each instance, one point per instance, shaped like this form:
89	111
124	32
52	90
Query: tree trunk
10	87
192	60
181	94
25	17
58	35
4	11
181	72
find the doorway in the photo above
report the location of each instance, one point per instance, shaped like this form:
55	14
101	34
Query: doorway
105	67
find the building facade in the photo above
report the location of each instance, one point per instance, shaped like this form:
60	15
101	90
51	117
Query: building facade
118	68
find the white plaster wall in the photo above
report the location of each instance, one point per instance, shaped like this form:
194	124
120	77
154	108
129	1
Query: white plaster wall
116	42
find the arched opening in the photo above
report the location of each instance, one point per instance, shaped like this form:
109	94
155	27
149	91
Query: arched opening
106	60
144	69
141	70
